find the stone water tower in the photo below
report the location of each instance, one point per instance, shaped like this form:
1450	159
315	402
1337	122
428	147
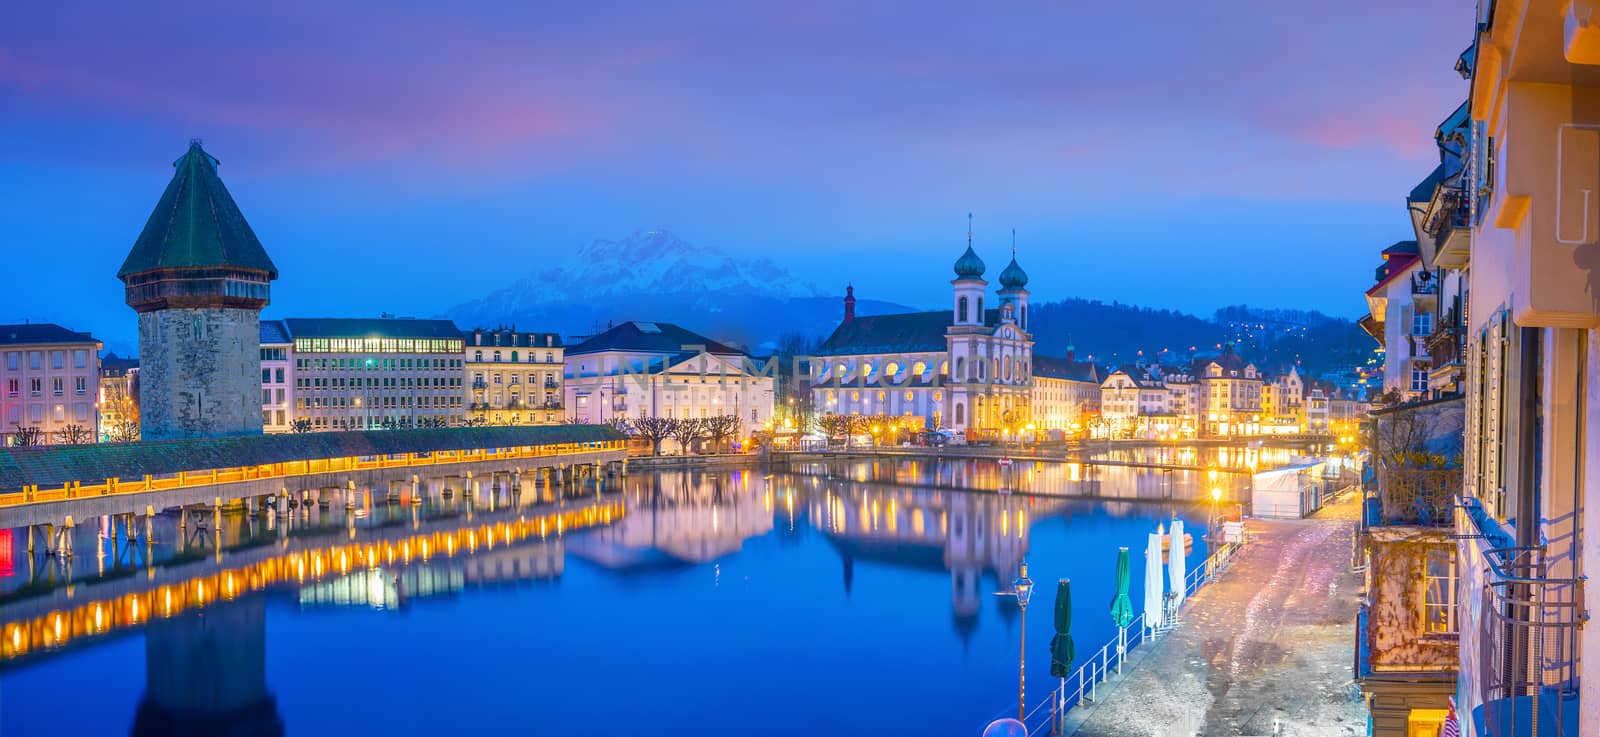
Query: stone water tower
198	278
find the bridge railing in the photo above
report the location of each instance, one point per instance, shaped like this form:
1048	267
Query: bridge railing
183	479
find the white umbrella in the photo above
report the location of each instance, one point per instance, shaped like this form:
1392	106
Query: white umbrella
1153	593
1175	553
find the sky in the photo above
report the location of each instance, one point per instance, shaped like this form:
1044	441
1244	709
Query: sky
409	156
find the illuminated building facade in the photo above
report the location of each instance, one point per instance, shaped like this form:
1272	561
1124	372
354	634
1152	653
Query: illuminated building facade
966	368
651	369
363	373
514	378
49	380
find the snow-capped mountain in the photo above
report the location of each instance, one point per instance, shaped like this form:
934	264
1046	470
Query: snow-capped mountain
654	275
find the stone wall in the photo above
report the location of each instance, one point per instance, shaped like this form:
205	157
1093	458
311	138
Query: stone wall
199	373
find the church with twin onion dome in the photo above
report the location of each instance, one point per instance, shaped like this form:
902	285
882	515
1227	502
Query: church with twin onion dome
966	368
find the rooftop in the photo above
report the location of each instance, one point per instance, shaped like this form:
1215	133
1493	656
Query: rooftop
906	332
662	338
369	327
1051	367
53	465
510	338
196	224
41	332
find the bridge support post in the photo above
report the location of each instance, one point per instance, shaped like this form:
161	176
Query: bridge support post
64	540
350	495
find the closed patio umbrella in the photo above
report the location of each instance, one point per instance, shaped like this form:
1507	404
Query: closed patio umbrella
1179	570
1061	650
1121	605
1154	592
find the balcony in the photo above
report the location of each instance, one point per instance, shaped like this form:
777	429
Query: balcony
551	384
478	406
1528	637
1414	496
479	384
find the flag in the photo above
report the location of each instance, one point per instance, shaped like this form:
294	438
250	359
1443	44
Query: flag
1451	728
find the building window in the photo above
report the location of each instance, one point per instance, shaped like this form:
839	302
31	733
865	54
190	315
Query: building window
80	359
80	385
1422	324
1439	587
1419	379
58	359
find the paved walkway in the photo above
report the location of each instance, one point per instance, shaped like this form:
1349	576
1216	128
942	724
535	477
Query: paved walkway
1266	648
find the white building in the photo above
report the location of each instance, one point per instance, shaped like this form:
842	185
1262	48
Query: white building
1134	404
657	369
965	368
1401	307
1066	392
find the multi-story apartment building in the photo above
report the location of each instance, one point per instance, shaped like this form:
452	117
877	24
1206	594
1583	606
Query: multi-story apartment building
649	369
118	398
363	373
1400	317
1066	392
1230	393
1134	404
1529	251
1283	407
49	384
514	378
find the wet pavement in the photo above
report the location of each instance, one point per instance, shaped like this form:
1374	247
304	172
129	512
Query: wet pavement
1266	649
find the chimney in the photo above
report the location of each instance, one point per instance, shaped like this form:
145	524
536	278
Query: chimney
849	302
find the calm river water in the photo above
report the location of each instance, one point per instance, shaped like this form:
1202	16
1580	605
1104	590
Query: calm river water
842	599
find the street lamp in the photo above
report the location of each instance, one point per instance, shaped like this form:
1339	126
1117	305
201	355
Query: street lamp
1022	588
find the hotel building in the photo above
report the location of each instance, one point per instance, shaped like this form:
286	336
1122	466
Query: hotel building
514	378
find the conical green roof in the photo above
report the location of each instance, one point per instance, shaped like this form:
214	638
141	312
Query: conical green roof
969	266
196	224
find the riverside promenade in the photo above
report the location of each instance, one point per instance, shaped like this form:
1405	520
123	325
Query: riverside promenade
1265	649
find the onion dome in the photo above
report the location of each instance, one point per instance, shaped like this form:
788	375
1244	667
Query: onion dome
1013	277
969	266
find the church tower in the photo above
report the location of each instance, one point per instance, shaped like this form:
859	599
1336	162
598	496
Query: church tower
969	285
1014	287
198	278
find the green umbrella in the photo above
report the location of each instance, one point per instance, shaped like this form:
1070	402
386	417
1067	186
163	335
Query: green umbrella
1121	605
1061	650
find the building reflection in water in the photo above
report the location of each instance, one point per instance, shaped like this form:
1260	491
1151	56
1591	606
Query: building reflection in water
681	518
206	674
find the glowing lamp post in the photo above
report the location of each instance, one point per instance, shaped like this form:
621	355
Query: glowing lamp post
1022	588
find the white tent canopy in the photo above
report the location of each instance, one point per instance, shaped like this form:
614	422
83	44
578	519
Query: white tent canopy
1153	592
1178	568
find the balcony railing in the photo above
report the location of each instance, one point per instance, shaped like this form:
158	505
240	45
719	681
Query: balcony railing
479	384
1417	496
1528	643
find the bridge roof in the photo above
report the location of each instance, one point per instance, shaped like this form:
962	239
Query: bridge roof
53	465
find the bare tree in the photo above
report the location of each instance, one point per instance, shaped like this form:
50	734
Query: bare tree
843	426
27	436
686	430
654	429
123	431
722	429
74	435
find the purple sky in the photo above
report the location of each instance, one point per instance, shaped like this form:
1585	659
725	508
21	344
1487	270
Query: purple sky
409	156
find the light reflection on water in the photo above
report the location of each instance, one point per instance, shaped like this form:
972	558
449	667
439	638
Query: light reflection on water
845	599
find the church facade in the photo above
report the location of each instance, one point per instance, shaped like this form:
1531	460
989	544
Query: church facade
966	368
